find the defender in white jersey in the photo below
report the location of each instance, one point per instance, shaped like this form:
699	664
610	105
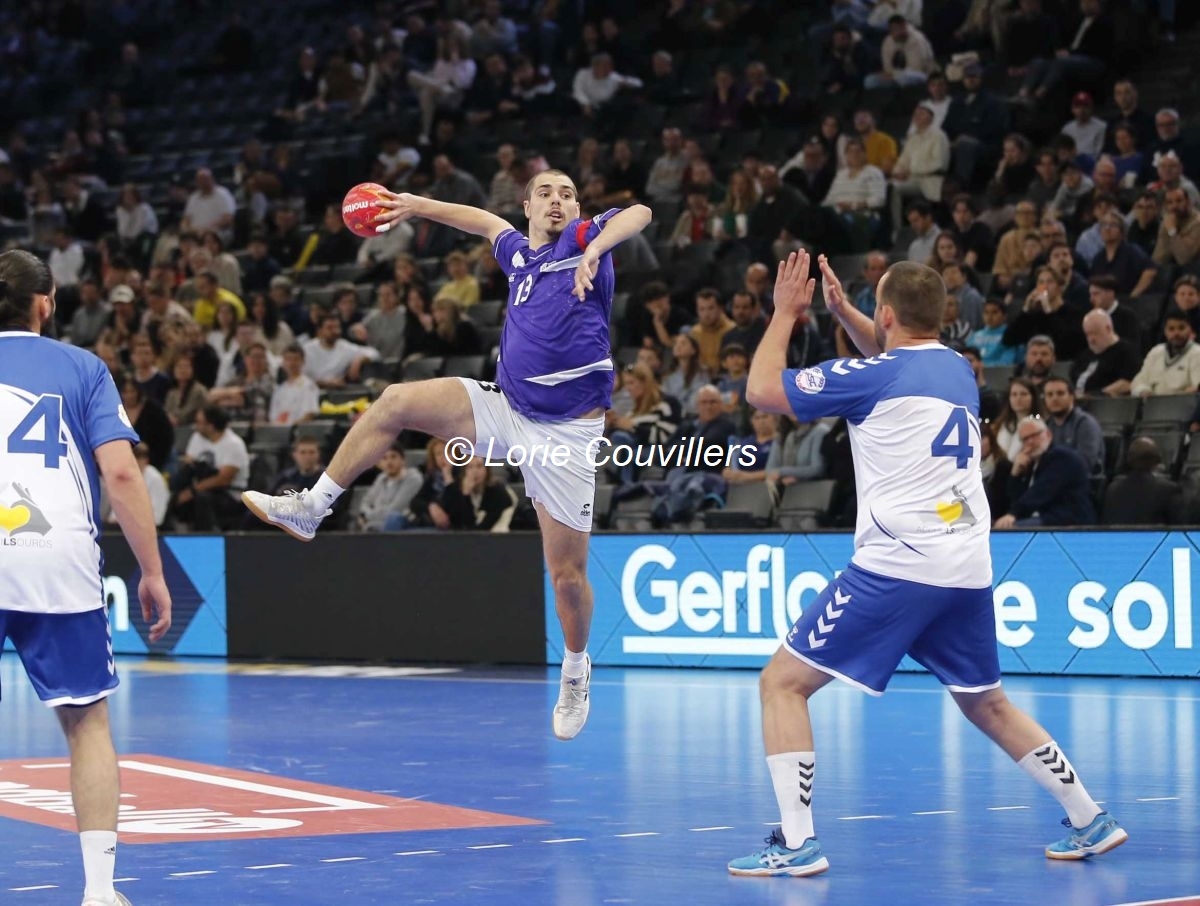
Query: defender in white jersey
554	381
62	430
919	582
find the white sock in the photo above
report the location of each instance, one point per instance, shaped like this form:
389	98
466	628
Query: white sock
574	663
99	862
322	494
1054	773
792	776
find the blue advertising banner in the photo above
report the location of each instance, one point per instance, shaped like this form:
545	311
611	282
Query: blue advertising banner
1100	603
194	567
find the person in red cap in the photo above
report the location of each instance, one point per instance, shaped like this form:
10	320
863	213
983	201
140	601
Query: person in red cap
1087	130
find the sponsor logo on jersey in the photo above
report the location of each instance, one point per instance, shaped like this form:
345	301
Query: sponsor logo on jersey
957	511
20	515
518	260
810	380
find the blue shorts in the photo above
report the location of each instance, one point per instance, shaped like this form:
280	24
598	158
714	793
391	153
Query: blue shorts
68	656
862	624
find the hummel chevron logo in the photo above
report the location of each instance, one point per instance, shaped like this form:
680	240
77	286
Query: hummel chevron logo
806	782
818	637
1050	756
840	366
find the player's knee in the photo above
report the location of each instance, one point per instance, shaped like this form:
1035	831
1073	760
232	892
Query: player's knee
778	678
989	709
569	585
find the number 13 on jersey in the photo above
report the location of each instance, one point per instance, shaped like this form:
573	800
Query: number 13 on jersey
954	438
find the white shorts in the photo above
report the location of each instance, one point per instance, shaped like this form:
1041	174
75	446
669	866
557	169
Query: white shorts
566	490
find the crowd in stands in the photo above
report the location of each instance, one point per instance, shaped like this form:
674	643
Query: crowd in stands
185	195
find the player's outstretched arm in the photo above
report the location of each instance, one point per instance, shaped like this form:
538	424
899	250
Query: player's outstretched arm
629	222
793	298
404	206
860	328
131	505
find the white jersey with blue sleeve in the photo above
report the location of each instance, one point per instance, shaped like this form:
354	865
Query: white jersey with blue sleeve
57	405
913	417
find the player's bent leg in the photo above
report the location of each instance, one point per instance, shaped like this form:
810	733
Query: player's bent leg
785	686
1091	831
440	407
566	552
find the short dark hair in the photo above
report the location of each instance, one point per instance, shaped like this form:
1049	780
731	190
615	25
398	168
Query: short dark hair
1058	379
1104	281
655	289
294	347
916	293
216	416
551	172
1176	314
23	275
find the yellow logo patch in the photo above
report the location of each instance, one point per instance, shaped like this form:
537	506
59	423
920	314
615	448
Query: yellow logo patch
13	518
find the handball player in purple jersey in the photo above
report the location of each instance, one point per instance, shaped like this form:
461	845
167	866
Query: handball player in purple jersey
554	381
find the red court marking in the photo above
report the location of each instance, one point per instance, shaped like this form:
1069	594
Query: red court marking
165	800
1178	901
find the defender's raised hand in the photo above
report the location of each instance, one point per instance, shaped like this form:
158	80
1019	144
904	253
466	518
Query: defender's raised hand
793	287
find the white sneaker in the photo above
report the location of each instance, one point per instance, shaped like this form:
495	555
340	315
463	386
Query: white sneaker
120	900
288	511
571	712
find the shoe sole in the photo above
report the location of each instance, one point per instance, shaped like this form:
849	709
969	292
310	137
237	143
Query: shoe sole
1111	842
803	871
263	517
562	738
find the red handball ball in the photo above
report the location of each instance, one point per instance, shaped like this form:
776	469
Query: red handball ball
360	207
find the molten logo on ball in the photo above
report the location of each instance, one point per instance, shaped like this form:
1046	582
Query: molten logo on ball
361	206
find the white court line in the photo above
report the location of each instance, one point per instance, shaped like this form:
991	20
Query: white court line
566	840
642	834
347	859
860	817
939	812
700	830
335	803
190	874
265	867
1160	799
38	887
492	846
419	852
1005	808
123	880
1161	902
43	767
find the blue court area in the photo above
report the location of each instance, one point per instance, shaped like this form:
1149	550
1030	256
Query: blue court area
666	784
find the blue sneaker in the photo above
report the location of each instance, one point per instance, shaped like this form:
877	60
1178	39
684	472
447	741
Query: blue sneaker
1103	834
777	859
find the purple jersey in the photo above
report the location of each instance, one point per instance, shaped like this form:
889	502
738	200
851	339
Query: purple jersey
555	360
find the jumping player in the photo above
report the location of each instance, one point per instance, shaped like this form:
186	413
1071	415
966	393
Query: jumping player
62	430
919	581
554	381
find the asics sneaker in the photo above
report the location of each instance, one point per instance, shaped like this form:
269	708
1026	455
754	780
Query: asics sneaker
777	859
1103	834
288	511
574	701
